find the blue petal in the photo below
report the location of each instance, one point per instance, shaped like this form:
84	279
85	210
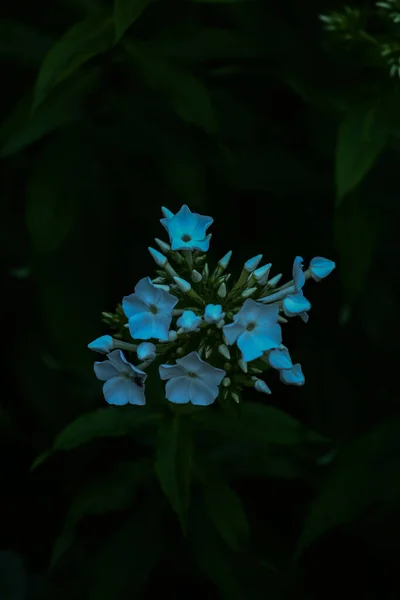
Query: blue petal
132	305
295	304
213	313
118	360
321	267
269	337
103	344
293	376
148	326
145	350
202	224
170	371
147	291
120	391
104	370
177	390
203	245
189	321
232	332
280	359
268	315
210	375
249	313
298	275
202	394
249	346
166	302
191	362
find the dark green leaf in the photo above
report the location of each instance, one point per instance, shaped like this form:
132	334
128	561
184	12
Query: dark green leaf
105	422
22	43
64	106
128	558
125	14
256	423
12	576
362	137
113	492
173	464
226	513
78	45
188	95
357	229
365	473
211	555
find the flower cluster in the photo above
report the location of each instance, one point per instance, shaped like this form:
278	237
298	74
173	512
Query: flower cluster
207	336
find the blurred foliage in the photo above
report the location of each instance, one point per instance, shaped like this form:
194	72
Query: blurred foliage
282	122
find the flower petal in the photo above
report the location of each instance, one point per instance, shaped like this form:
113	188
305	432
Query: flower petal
202	394
233	331
145	350
211	375
294	304
189	321
104	370
298	275
118	360
249	346
269	337
147	326
293	376
202	224
249	313
280	359
120	391
103	344
321	267
132	305
268	315
213	313
170	371
177	389
191	362
147	291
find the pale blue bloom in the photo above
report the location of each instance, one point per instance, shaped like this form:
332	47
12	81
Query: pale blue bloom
293	376
280	359
189	321
124	383
321	267
213	313
261	386
103	344
149	311
146	350
187	230
191	380
255	329
297	304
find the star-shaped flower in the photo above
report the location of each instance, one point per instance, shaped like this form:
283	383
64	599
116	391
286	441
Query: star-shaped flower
255	329
191	380
124	383
149	311
187	230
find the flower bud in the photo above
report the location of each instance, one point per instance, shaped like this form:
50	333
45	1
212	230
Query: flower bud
183	285
158	258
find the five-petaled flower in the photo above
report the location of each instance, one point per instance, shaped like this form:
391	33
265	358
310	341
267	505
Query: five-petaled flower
124	383
187	230
149	311
297	304
191	380
255	329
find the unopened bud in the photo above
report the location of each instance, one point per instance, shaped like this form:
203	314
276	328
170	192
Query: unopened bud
158	258
252	263
222	290
274	281
249	292
208	352
224	350
166	212
242	365
226	382
183	285
196	276
235	397
261	386
206	272
224	262
164	247
262	273
166	288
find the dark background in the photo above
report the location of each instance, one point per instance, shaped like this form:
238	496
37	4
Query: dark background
236	109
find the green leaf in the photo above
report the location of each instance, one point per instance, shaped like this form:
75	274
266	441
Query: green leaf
65	105
126	12
256	423
22	43
357	228
187	94
364	474
362	137
211	555
104	422
127	559
12	576
173	464
78	45
226	512
112	492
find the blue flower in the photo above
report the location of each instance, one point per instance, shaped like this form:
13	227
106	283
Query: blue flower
124	383
149	311
191	380
293	376
321	267
296	304
255	329
280	359
187	230
189	321
213	313
103	344
146	350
